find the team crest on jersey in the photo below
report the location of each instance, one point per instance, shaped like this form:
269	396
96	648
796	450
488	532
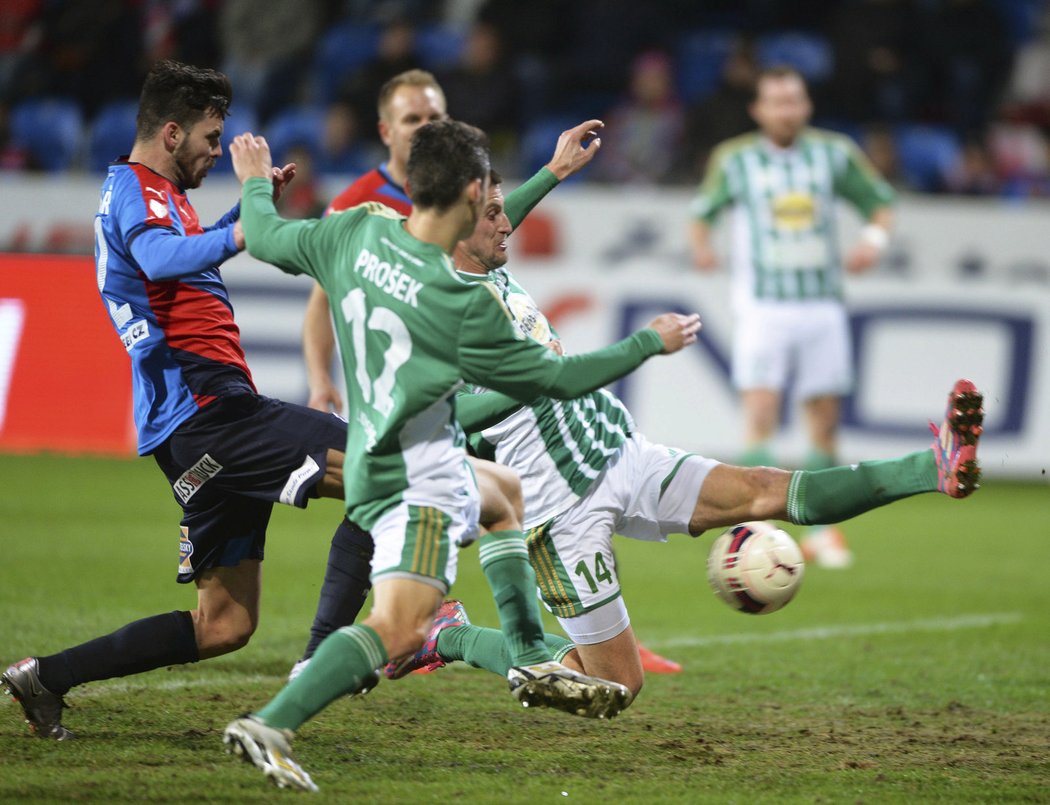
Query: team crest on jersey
189	483
528	317
185	552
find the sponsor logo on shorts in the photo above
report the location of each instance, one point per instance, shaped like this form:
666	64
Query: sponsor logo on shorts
190	482
295	481
185	552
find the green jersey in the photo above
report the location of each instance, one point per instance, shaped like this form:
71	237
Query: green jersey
558	448
784	243
410	331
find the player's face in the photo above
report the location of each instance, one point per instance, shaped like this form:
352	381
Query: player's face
197	149
782	108
487	247
408	109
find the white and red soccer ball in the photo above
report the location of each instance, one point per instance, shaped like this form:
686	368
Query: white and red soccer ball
755	567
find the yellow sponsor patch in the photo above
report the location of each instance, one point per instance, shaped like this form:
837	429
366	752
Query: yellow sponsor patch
794	212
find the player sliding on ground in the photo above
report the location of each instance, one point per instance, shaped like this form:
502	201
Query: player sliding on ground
410	332
588	474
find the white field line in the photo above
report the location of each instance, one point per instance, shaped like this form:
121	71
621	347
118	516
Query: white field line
953	624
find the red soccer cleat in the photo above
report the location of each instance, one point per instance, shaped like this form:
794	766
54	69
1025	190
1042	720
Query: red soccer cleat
653	663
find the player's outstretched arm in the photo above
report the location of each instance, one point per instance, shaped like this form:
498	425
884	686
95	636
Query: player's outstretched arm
268	236
493	353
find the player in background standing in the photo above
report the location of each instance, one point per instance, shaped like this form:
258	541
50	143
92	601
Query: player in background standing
587	474
782	182
406	102
228	452
410	332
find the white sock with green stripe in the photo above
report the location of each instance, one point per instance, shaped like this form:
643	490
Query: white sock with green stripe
505	561
342	663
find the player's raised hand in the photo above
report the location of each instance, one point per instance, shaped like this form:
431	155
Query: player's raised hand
281	178
576	147
676	330
251	157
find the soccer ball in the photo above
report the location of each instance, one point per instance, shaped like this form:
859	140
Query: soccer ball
755	567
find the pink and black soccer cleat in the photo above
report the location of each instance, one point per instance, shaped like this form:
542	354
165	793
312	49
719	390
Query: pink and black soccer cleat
427	659
955	447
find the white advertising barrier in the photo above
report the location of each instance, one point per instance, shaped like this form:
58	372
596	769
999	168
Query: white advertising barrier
962	297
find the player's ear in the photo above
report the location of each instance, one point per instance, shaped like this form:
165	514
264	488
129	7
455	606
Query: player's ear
384	132
172	134
475	191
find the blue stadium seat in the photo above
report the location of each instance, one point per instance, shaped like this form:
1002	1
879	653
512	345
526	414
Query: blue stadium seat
926	154
342	50
112	134
810	54
699	59
440	45
50	129
238	121
301	126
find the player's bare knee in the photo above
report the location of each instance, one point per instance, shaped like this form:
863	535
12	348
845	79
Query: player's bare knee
400	637
222	635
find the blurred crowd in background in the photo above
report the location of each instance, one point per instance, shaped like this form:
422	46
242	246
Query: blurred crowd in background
945	96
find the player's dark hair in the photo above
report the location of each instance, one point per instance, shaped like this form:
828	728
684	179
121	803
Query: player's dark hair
180	92
494	177
775	71
446	156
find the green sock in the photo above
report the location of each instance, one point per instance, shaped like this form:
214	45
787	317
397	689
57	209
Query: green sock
757	455
340	665
830	496
505	561
817	459
486	648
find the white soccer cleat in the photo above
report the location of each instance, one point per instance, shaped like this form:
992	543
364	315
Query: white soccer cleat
270	749
551	684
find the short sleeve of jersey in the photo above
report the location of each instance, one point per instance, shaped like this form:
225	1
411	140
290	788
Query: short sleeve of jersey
857	181
714	192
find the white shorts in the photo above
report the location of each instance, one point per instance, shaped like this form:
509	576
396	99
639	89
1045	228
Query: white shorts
811	339
647	492
422	542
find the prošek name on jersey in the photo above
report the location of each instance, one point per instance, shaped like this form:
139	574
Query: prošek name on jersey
388	278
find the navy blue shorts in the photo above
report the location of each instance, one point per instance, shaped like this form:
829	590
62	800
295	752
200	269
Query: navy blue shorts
230	462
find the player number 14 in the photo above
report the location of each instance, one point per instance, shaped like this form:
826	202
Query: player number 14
601	572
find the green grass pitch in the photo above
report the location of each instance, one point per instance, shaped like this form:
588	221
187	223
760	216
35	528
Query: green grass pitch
921	674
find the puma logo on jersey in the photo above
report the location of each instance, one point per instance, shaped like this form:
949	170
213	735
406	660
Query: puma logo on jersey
390	279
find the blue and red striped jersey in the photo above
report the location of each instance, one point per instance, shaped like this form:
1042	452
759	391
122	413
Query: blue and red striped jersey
158	273
376	185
